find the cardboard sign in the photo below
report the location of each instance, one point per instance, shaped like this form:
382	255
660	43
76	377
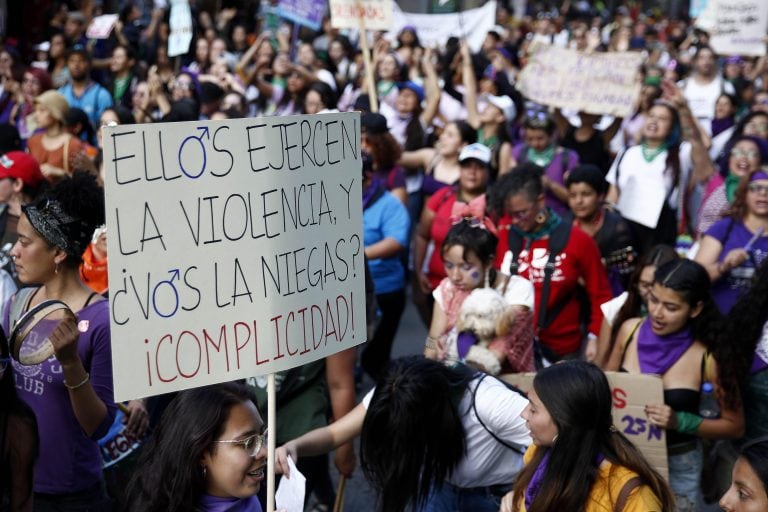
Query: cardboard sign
739	26
631	392
304	12
101	26
435	29
598	83
180	22
235	248
377	14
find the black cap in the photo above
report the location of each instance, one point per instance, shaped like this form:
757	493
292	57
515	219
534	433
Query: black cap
374	123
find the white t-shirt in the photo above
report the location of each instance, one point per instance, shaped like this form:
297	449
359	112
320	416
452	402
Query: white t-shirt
488	462
643	186
702	98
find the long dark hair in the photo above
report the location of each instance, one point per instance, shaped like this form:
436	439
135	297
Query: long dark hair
18	429
745	322
412	436
168	477
756	455
578	398
691	281
633	306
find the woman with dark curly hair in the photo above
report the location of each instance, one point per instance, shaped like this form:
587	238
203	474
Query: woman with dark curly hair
207	454
385	151
676	342
746	328
70	393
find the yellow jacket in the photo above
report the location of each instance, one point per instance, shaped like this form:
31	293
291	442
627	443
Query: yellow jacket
605	491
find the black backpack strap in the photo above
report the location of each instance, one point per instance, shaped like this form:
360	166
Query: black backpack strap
557	242
502	442
515	244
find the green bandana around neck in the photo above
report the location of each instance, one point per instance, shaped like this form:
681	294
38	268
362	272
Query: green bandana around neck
542	158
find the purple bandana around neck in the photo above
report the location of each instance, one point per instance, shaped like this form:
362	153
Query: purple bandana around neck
536	480
658	353
210	503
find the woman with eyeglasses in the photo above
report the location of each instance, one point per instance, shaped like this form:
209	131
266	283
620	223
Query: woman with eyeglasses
18	440
207	454
528	229
70	392
734	247
540	147
745	156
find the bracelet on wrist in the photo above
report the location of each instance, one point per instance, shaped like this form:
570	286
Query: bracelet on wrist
80	384
431	343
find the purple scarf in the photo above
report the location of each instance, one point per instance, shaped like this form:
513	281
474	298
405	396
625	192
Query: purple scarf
658	353
215	504
722	124
536	480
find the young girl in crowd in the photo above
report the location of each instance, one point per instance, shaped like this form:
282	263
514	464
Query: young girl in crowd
468	254
633	303
207	454
578	459
677	342
749	490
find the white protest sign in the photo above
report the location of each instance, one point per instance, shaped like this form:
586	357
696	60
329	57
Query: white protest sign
235	248
180	22
739	26
377	14
435	29
101	26
630	393
598	83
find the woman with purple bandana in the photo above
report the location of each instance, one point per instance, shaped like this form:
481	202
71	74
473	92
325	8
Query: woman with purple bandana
578	459
70	392
678	341
734	247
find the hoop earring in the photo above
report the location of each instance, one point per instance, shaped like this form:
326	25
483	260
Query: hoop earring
205	472
554	439
56	269
487	277
541	217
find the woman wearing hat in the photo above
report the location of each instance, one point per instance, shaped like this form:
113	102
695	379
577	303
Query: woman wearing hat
71	392
54	147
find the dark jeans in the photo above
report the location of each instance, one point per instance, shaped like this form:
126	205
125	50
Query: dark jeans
93	499
376	353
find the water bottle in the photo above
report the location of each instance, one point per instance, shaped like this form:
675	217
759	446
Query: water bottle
708	406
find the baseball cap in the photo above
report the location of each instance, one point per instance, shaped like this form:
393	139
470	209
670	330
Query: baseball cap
505	104
374	123
413	86
475	151
18	164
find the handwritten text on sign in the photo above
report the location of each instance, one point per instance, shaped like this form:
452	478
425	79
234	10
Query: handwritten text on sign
599	83
630	394
740	26
234	250
377	14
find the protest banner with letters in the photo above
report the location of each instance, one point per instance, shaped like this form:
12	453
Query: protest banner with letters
435	29
739	26
304	12
630	392
180	22
101	26
235	248
598	83
376	14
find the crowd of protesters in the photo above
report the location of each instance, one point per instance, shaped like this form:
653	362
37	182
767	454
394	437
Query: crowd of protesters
498	219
